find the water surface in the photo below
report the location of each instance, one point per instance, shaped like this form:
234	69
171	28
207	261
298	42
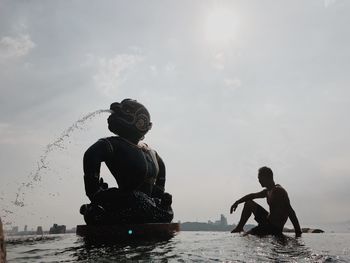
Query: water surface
185	247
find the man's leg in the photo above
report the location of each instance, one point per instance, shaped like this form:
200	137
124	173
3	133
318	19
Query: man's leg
261	218
249	208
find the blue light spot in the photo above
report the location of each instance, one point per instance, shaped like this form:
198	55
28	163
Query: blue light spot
130	232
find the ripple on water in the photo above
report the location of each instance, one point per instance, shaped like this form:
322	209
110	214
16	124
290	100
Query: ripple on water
185	247
27	240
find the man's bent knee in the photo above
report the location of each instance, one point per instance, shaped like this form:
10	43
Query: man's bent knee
251	205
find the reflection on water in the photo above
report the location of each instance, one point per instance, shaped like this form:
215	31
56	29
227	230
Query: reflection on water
185	247
138	251
283	248
69	248
29	240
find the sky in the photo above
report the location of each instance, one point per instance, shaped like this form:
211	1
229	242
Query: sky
231	86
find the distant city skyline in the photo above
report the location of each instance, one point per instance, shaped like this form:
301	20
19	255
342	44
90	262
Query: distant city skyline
340	227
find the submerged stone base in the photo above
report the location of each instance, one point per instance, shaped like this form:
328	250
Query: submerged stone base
150	231
304	230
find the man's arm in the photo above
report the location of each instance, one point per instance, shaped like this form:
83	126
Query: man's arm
248	197
93	157
293	218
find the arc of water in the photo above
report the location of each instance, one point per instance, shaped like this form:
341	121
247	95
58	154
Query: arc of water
35	175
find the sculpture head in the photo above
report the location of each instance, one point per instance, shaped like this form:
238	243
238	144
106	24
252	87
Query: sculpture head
129	119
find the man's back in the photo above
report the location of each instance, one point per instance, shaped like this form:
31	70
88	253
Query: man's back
279	204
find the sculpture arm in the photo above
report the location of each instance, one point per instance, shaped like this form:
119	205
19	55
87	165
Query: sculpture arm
159	187
93	157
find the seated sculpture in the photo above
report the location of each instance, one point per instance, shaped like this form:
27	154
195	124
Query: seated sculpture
138	170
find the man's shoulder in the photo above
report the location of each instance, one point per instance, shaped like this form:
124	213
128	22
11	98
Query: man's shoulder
279	187
279	190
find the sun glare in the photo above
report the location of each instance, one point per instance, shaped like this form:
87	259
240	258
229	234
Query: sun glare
220	26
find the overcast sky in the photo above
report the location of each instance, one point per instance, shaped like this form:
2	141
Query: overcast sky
231	86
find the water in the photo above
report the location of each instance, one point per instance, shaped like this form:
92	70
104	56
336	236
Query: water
58	143
185	247
8	210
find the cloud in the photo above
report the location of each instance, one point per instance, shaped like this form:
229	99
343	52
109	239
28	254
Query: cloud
336	164
154	70
170	68
16	135
3	126
111	72
328	3
219	61
14	47
232	84
5	134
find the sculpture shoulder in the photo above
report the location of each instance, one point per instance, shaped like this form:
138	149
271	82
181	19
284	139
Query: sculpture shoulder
110	143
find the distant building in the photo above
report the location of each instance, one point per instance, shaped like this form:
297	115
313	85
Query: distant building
14	230
219	225
56	229
25	228
222	221
72	230
39	230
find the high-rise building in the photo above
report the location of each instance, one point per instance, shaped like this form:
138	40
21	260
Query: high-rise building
14	230
223	220
39	230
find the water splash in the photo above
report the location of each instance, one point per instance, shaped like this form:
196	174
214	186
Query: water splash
42	164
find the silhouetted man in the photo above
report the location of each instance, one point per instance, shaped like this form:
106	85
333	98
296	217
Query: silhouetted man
280	208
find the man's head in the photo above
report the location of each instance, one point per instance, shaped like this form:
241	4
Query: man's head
265	176
129	119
